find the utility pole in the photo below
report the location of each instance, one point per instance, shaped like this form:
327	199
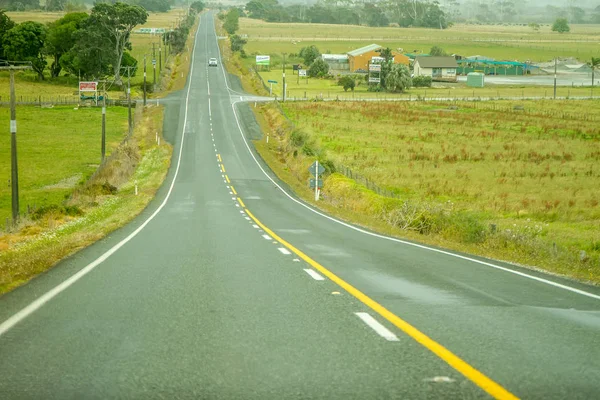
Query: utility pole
103	146
555	62
129	119
154	68
144	80
160	56
14	166
284	54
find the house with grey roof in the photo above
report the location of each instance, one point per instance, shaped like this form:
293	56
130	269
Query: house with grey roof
438	68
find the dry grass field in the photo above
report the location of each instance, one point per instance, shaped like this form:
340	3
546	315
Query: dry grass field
457	169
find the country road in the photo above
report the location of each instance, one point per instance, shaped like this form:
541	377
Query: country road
229	287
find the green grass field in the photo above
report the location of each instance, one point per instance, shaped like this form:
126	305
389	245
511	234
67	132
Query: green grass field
57	148
500	42
300	87
534	173
66	86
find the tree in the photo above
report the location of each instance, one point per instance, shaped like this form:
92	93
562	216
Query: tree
259	9
89	57
6	24
309	54
437	51
237	43
197	6
561	25
374	15
55	5
115	23
534	26
231	24
154	5
25	42
386	54
398	79
347	83
594	64
318	69
62	36
20	5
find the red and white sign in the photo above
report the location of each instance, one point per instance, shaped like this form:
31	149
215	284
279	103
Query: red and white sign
88	86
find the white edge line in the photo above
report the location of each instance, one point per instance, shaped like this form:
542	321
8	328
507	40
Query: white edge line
420	246
46	297
314	274
285	251
377	327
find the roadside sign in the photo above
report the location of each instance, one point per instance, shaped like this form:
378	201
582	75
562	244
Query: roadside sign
153	62
301	72
313	182
374	80
151	30
375	67
263	60
271	81
316	168
88	86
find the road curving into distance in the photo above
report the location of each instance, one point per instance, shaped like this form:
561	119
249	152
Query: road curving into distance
228	286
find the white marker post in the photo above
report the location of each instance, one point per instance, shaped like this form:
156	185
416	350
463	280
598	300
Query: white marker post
317	182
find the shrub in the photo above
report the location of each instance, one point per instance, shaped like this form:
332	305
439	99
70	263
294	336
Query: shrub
347	83
318	69
422	81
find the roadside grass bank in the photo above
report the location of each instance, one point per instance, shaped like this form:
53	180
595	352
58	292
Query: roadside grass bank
518	185
236	65
95	208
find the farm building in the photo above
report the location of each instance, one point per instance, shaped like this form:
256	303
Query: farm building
359	59
438	68
338	63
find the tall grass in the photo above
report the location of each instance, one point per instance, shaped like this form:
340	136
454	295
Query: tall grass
519	185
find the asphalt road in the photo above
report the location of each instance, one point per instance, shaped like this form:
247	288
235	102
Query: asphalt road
229	287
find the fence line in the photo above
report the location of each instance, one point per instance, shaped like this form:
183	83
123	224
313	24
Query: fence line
61	100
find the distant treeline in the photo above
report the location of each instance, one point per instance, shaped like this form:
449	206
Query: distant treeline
79	5
404	13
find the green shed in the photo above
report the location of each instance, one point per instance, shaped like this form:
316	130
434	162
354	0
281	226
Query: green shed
475	79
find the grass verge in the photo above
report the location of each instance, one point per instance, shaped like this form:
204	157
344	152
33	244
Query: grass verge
104	203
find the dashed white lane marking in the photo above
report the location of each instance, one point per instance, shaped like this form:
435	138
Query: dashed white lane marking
255	226
283	250
267	237
242	212
248	218
209	112
314	274
237	205
377	327
296	260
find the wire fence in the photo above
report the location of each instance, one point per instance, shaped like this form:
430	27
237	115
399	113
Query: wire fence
43	101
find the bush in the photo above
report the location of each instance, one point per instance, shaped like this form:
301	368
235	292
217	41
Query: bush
309	54
422	81
237	43
318	69
347	83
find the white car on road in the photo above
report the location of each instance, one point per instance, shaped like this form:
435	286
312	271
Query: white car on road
212	62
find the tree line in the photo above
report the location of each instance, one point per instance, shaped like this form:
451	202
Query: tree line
404	13
79	5
91	46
